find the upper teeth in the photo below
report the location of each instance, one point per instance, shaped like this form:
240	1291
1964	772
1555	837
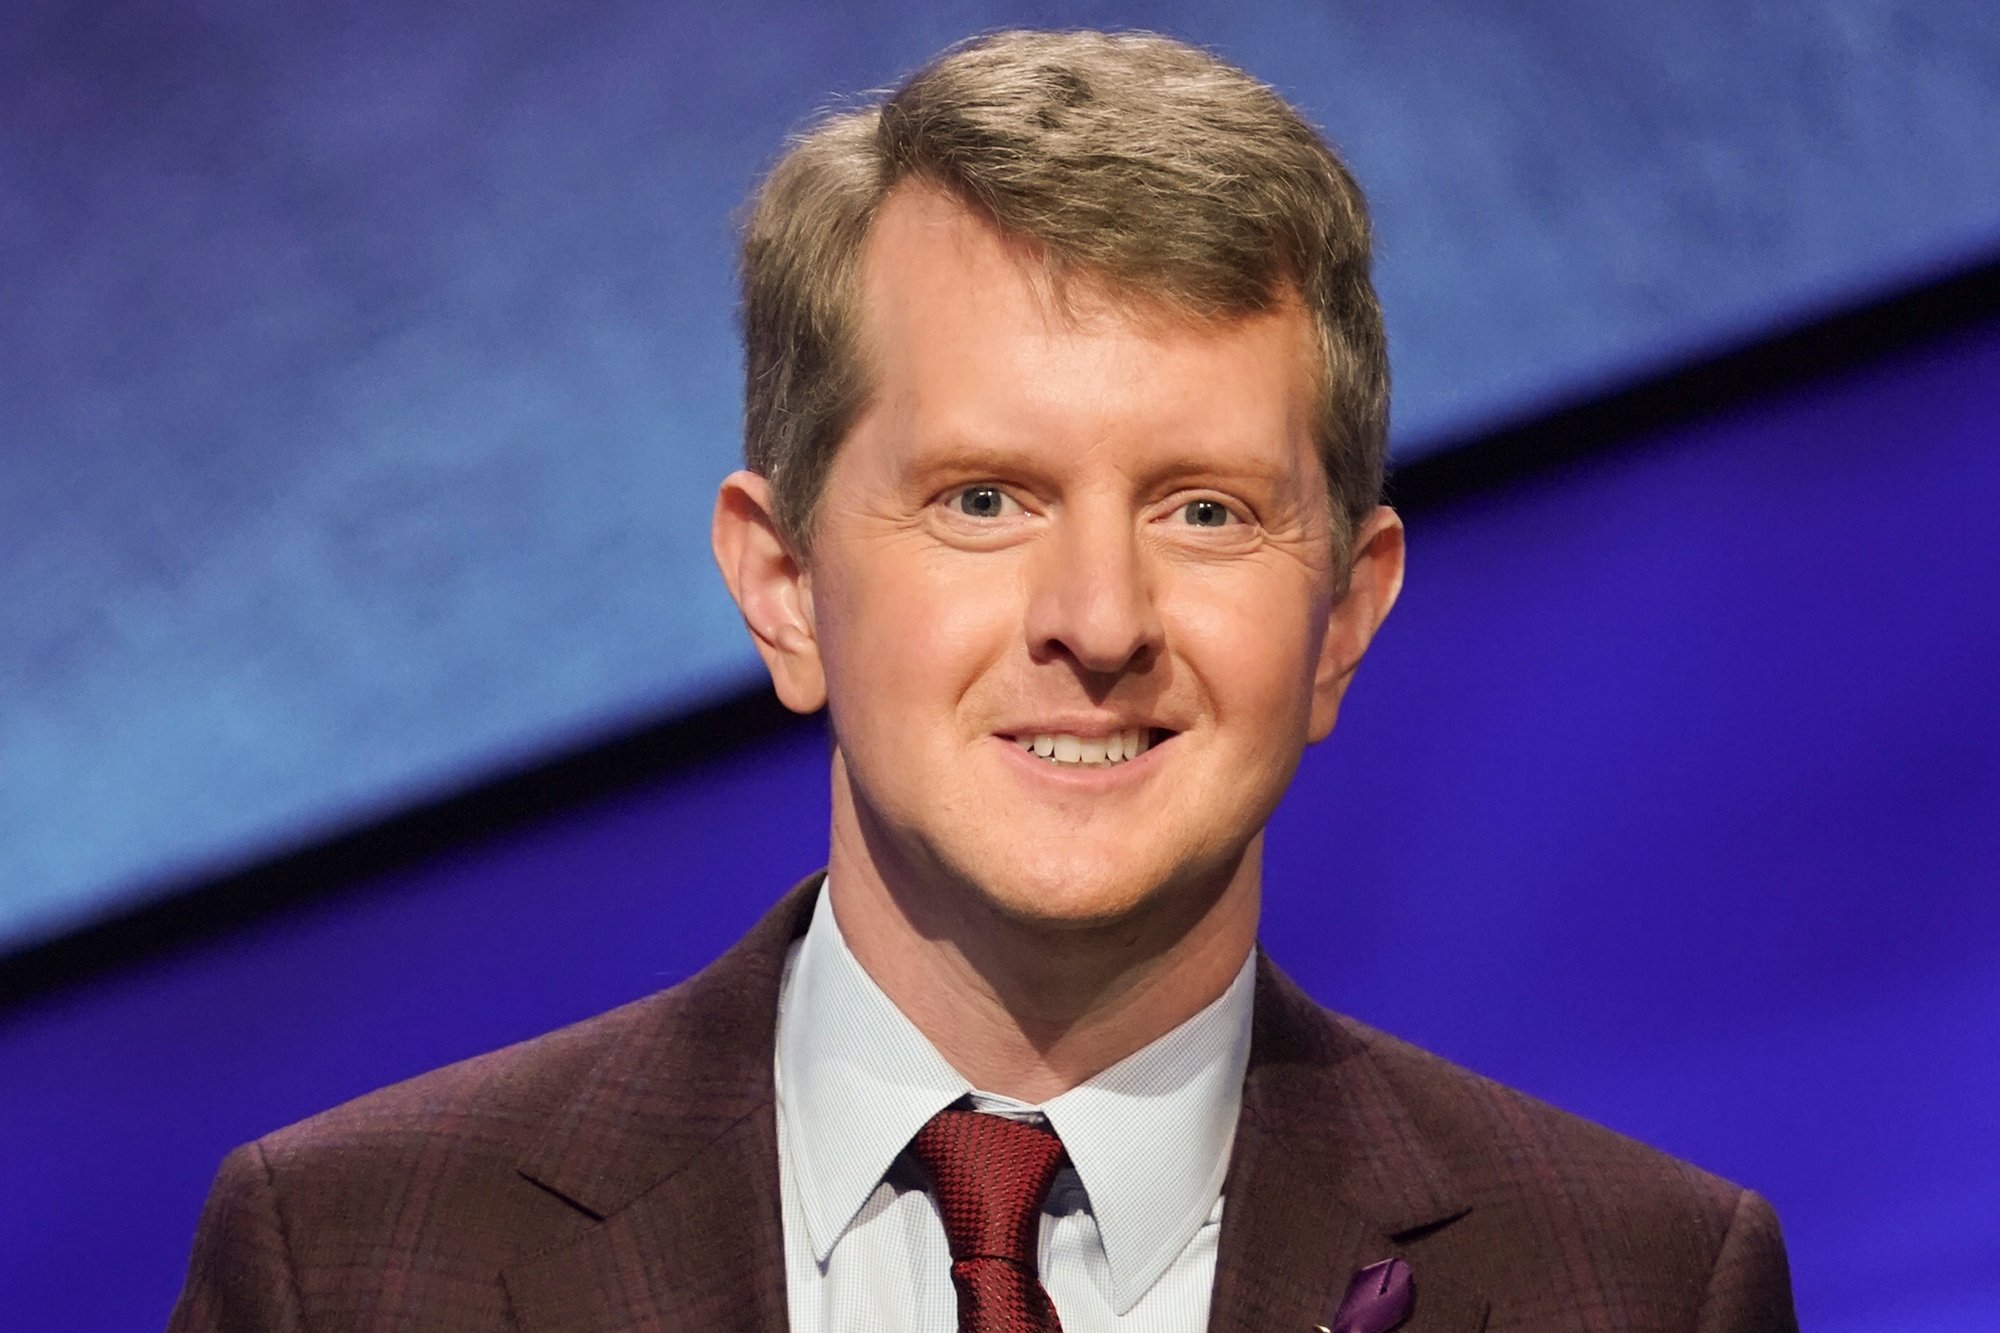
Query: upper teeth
1064	748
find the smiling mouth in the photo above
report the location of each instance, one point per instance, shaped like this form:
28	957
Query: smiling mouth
1062	747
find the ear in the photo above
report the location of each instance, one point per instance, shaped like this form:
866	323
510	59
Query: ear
1373	582
772	589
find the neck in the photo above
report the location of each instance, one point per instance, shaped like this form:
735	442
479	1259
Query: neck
1030	1008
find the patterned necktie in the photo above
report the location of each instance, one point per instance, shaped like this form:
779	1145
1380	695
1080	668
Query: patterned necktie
989	1175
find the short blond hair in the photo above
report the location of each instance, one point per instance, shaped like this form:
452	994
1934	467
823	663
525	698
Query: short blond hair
1130	159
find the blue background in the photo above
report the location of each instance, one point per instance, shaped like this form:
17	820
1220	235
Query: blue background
364	380
366	371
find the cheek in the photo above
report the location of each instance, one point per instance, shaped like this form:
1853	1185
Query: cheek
917	635
1253	642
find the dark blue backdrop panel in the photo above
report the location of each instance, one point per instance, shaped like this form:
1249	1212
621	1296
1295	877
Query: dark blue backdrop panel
1671	793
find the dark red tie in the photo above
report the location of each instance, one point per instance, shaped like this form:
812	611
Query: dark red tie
989	1175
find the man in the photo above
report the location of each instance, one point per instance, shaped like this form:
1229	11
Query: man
1066	421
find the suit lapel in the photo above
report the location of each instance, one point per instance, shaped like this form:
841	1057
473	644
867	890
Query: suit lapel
703	1250
1328	1173
670	1146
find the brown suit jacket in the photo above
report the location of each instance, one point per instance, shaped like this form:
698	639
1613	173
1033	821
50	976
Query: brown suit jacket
623	1174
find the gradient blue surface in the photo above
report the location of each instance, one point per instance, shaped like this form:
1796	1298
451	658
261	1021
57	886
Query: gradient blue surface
1671	793
365	373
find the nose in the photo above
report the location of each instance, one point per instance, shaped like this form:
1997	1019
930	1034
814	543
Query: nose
1093	598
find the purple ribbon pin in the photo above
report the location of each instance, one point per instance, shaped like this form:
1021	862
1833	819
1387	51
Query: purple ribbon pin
1378	1299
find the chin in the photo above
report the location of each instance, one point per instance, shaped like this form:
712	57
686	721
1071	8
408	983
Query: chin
1070	905
1083	892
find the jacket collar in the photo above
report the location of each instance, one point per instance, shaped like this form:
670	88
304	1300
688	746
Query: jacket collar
670	1145
1330	1172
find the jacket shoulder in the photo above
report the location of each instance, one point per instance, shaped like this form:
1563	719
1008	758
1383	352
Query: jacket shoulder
406	1207
407	1202
1491	1134
491	1105
1633	1233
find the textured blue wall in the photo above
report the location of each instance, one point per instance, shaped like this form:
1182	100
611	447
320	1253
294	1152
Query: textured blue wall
365	371
1671	793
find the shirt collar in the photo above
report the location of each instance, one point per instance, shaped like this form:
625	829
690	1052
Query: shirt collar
855	1079
1149	1137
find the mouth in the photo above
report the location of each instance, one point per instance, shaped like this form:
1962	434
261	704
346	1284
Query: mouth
1067	749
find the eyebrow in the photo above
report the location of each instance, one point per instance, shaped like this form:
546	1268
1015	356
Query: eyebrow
936	462
980	460
1192	468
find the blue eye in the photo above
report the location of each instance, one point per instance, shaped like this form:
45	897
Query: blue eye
982	501
1207	513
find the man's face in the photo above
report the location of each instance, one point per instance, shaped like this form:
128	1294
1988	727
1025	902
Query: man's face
1089	532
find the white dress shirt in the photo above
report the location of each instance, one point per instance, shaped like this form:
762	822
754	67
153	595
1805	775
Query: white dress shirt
1129	1229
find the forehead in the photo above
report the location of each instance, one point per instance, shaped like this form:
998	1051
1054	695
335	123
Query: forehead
966	335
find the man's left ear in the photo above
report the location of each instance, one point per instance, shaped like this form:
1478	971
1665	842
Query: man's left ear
1372	585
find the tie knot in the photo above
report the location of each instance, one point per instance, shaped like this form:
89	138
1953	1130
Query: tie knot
989	1175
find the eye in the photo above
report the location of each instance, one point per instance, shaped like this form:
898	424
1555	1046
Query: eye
1207	514
985	502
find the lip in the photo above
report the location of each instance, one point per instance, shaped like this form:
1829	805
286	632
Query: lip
1087	776
1088	728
